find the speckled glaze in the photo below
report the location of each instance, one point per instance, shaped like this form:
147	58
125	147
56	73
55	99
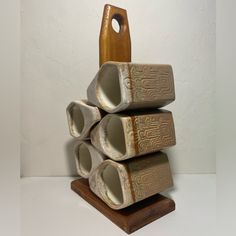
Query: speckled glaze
121	136
96	158
87	116
137	179
122	86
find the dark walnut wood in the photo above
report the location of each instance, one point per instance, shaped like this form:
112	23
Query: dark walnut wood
114	46
131	218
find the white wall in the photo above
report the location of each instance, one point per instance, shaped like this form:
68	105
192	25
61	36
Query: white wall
226	116
60	58
9	117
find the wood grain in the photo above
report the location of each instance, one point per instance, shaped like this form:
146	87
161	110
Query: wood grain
114	46
131	218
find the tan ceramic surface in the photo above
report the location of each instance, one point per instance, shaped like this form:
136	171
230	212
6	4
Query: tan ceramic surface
140	85
143	133
139	178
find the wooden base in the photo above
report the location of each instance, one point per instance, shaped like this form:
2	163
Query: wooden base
131	218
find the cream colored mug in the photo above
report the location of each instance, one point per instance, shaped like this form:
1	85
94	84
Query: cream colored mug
82	116
87	158
120	184
122	86
122	136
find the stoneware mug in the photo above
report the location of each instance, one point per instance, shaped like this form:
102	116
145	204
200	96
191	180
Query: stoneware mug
120	184
82	116
122	136
122	86
87	158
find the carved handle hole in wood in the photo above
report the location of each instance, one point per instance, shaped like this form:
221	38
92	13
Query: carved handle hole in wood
117	22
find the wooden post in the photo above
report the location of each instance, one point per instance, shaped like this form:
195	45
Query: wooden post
114	46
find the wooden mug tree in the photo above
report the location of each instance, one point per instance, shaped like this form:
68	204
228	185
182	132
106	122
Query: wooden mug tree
116	46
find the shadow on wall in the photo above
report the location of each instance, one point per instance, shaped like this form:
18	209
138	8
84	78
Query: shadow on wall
69	152
171	157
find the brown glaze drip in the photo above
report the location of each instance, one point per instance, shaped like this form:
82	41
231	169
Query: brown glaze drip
130	182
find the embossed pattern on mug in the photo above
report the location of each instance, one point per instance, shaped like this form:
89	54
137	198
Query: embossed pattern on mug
153	132
149	82
149	176
120	86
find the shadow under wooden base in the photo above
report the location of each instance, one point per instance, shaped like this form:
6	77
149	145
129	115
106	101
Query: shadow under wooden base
131	218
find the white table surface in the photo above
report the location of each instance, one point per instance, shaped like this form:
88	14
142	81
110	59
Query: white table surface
50	208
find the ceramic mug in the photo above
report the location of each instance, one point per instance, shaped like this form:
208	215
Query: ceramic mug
122	86
122	136
87	158
120	184
82	116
